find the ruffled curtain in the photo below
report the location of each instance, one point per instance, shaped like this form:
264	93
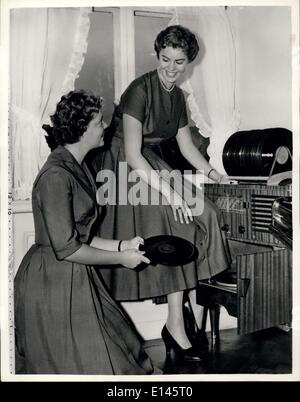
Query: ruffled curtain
211	79
47	53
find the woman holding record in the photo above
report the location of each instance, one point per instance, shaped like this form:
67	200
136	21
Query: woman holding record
66	322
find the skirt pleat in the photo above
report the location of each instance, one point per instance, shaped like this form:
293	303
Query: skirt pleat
128	221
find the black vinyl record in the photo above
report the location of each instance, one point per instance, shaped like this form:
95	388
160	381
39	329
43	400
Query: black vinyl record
258	152
169	250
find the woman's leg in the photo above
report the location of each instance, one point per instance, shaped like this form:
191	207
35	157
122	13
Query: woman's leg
200	340
175	320
196	308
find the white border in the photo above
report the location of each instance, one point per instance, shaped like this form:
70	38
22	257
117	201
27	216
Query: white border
6	5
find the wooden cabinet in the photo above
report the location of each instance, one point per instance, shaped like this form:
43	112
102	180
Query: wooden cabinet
262	297
247	210
264	290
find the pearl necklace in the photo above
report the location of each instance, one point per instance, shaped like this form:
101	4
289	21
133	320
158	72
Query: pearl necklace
164	85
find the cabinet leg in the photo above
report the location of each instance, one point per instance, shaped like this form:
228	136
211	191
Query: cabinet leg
214	315
204	318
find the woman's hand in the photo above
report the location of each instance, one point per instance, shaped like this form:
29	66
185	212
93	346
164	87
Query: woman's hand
224	179
218	177
132	258
180	208
132	243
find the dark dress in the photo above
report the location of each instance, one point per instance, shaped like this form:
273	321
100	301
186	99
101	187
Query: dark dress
66	322
161	113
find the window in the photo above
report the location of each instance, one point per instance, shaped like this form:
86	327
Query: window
97	73
120	48
147	25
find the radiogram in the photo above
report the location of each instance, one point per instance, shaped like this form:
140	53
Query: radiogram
247	210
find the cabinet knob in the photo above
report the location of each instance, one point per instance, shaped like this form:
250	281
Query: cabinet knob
225	227
242	229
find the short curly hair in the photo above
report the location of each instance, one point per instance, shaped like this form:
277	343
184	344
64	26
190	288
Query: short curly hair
73	114
177	36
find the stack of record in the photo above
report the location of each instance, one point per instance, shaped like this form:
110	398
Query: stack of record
253	152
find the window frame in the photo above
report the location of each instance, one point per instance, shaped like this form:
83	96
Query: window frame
124	40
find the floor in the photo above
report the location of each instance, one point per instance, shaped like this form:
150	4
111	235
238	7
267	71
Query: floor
264	352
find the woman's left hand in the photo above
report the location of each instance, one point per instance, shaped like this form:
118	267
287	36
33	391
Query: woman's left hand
224	179
132	243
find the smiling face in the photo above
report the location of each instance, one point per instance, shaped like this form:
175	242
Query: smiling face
172	63
95	131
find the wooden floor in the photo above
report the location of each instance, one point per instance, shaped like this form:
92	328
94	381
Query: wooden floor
263	352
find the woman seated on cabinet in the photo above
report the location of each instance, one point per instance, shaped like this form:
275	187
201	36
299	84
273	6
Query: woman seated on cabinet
152	110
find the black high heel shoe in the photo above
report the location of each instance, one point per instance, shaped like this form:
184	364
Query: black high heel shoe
200	341
190	354
202	337
196	336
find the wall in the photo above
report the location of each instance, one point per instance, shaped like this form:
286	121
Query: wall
22	231
149	318
264	66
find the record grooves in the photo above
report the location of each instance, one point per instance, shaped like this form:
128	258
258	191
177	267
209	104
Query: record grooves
169	250
253	152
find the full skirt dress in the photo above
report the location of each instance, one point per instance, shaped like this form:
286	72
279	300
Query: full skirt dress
127	221
161	114
66	322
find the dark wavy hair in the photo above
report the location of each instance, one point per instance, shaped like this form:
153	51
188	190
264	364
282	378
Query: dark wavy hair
73	114
177	36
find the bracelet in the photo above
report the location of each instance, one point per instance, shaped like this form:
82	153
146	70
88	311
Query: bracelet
210	172
119	245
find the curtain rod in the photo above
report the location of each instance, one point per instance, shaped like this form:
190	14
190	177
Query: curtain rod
139	13
103	9
156	14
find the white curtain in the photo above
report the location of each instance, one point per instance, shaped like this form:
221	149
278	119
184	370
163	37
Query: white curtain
211	79
46	54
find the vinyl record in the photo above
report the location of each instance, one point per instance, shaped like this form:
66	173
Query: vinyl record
169	250
226	279
255	152
270	147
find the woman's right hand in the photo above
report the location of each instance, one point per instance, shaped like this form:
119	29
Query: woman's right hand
132	258
180	208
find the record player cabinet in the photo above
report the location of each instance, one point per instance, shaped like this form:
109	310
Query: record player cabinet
263	295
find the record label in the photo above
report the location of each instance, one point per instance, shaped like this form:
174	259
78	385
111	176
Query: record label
258	152
169	250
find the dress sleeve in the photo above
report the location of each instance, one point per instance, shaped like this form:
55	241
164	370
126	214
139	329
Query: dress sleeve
133	101
55	196
183	121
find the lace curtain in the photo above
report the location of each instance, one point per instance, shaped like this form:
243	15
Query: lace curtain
46	54
211	80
